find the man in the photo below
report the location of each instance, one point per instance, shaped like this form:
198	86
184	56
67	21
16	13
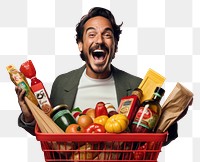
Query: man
98	80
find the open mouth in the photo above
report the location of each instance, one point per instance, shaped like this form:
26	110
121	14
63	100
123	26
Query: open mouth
98	54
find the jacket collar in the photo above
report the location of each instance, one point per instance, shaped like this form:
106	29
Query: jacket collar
73	82
123	88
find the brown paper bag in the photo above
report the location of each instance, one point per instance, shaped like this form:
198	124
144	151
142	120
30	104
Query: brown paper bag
174	107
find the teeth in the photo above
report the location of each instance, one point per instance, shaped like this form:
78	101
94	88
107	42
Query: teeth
98	50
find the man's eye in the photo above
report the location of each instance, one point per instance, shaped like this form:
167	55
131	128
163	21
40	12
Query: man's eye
91	35
108	35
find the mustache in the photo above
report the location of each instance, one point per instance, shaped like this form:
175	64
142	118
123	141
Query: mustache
99	46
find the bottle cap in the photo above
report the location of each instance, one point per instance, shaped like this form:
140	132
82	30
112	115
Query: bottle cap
138	92
159	91
58	108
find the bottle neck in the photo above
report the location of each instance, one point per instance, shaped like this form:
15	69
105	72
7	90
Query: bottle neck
157	97
137	93
34	80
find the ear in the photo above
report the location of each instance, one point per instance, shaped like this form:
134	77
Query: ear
80	46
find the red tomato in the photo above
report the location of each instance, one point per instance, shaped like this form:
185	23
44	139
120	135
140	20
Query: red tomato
74	128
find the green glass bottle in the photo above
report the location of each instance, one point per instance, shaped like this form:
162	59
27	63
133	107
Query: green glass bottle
148	113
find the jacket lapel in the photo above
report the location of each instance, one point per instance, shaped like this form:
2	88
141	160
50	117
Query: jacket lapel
71	87
122	88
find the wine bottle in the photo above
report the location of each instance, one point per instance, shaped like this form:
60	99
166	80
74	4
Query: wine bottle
148	114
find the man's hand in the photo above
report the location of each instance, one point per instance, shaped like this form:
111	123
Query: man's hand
28	117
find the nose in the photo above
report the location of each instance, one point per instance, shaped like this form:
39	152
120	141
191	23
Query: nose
99	39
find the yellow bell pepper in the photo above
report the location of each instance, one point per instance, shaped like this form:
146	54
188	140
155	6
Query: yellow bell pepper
101	120
116	123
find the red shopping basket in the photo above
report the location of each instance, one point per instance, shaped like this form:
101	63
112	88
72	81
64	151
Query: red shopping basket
110	147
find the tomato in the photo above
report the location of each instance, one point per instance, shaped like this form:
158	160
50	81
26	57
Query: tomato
74	128
116	123
95	128
84	120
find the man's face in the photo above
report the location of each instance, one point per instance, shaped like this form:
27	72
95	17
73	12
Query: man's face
98	46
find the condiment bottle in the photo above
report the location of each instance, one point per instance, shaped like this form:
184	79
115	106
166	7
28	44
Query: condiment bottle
19	80
148	114
62	116
28	69
130	104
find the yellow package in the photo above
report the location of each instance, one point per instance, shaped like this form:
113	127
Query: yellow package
151	80
19	80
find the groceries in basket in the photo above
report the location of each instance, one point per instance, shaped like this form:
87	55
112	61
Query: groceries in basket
28	69
93	117
137	113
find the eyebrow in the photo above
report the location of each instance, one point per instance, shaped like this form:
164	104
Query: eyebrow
106	29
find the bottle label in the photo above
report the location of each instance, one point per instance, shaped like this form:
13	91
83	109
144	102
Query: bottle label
145	117
20	82
60	113
125	106
24	86
42	98
17	78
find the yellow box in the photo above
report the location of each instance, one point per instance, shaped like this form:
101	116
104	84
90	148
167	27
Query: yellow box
149	83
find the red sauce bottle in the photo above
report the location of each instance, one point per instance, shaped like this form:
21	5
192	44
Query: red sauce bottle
28	69
130	104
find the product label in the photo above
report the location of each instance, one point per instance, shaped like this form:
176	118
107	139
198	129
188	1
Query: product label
146	118
43	100
125	106
24	86
60	113
17	78
20	82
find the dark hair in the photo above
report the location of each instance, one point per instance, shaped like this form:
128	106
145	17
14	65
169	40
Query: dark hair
98	11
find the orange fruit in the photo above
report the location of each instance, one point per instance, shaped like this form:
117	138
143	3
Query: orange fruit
84	120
